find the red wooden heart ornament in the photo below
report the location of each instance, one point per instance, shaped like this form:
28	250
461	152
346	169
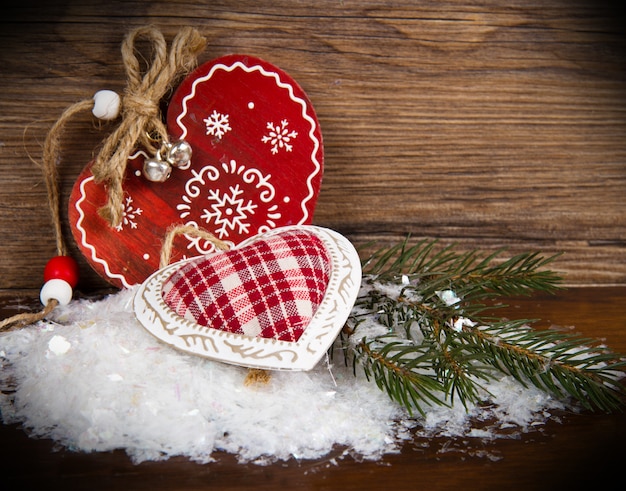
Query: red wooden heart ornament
276	301
257	164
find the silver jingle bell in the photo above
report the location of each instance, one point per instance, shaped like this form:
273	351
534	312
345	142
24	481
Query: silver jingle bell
156	170
179	154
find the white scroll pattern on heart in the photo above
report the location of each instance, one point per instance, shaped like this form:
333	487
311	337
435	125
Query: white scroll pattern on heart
230	210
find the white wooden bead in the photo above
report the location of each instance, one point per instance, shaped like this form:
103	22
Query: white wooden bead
58	289
106	104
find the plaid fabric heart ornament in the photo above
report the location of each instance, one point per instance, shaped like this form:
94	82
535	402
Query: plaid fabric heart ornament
269	289
277	301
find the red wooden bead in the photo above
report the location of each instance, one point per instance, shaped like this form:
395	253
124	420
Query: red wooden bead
62	268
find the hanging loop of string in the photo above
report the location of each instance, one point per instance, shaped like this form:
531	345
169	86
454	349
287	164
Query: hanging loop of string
173	231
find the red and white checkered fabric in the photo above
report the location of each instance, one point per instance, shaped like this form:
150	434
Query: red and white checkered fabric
270	288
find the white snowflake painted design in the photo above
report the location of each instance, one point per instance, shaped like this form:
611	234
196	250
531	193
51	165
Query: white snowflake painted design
217	124
279	136
129	215
229	212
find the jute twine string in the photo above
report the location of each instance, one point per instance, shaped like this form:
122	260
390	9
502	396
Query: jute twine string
49	166
141	123
27	318
175	230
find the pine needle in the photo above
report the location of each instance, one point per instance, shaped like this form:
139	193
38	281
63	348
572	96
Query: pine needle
437	347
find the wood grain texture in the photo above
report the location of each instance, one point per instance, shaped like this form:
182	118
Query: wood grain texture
487	123
583	451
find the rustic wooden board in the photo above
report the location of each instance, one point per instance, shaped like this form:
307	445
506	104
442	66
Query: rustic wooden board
583	451
489	123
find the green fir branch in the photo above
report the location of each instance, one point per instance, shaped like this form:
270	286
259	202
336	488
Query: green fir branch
560	363
419	332
397	369
520	275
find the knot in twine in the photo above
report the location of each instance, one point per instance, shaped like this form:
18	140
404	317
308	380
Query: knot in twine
138	105
141	123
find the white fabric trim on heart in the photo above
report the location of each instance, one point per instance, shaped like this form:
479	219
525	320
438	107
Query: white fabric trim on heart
258	352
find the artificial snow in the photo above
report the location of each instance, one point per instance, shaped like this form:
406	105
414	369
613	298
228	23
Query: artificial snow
95	380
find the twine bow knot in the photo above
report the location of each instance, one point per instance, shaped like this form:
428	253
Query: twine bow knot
138	105
141	123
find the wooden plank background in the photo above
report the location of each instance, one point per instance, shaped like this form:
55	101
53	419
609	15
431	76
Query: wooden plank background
486	123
